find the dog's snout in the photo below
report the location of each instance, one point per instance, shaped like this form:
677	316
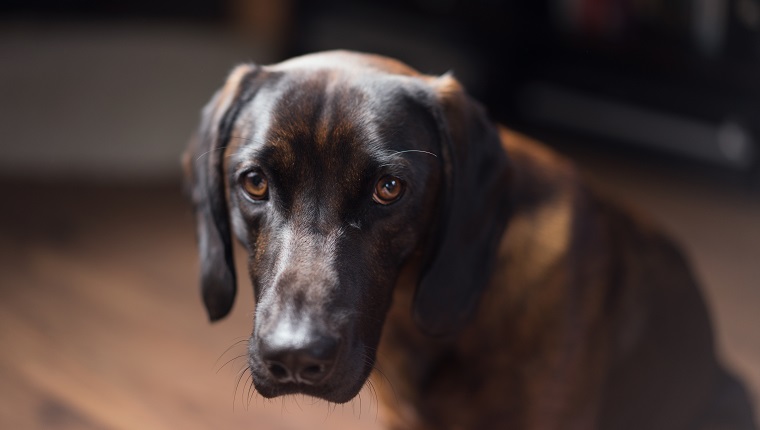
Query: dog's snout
306	362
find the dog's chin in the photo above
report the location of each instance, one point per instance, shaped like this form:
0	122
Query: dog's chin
341	386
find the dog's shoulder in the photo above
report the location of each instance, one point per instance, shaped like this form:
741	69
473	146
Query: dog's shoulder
563	222
551	188
545	191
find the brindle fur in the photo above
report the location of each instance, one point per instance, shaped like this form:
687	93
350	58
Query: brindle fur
509	293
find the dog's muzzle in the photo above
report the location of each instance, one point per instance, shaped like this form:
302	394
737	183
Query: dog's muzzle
290	352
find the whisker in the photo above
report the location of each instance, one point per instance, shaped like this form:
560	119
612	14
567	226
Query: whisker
223	147
295	399
242	392
376	367
377	399
248	394
413	150
230	361
234	393
251	392
390	384
244	338
209	152
328	413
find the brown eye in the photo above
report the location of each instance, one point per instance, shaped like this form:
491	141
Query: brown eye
388	189
255	185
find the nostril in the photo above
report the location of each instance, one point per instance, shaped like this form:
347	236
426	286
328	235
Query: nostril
312	372
278	371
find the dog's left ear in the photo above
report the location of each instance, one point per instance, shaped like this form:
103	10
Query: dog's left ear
476	171
204	176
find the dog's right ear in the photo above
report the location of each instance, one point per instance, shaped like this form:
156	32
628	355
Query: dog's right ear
474	215
204	181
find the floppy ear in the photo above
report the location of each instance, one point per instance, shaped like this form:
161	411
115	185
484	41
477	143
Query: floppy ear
476	209
204	175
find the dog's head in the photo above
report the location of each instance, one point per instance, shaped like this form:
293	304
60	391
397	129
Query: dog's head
336	171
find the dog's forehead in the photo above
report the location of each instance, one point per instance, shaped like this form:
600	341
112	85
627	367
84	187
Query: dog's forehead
302	109
349	93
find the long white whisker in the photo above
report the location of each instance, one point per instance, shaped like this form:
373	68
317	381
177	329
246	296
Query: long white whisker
415	150
209	152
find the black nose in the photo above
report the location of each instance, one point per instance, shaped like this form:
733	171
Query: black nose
307	362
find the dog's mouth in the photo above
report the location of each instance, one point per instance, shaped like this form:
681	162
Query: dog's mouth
338	384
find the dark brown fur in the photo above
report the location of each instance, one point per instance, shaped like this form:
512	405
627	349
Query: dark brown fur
508	292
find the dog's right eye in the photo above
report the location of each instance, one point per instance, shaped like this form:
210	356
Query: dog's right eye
388	189
255	184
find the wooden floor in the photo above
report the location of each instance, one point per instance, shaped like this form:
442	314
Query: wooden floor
101	325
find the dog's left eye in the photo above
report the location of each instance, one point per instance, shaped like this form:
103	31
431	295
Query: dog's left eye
255	185
388	189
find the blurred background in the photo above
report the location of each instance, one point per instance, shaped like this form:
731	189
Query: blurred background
101	326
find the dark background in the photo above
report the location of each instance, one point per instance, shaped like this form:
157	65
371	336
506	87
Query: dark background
659	77
658	101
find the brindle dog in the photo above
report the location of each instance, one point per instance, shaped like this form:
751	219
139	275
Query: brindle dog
386	218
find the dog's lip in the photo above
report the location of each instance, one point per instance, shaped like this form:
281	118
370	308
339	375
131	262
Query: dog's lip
281	389
328	392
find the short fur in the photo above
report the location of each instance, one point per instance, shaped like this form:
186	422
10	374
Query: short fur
501	290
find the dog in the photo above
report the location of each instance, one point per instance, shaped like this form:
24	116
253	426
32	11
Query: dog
390	224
